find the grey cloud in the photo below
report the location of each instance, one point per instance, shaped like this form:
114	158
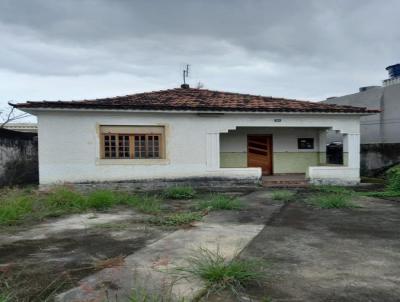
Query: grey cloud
293	48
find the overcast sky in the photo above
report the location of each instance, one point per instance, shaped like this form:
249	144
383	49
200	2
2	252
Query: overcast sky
306	49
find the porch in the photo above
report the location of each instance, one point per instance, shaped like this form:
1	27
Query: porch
290	155
290	180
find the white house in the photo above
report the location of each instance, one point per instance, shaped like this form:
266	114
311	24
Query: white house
196	134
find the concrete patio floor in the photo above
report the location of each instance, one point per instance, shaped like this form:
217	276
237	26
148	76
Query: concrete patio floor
329	255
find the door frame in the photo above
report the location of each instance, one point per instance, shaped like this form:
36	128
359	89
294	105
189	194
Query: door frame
272	149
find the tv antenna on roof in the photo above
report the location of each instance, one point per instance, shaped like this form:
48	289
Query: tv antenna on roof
185	74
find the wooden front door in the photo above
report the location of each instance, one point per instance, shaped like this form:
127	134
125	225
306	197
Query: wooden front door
259	152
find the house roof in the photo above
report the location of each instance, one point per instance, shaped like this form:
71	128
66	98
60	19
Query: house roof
190	99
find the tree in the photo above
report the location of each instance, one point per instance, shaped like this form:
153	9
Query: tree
10	114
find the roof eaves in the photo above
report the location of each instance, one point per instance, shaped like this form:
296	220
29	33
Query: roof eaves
362	111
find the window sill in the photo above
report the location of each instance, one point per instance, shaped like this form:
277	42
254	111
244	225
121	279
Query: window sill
144	162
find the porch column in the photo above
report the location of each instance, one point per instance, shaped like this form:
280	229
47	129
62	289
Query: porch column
322	147
213	154
351	144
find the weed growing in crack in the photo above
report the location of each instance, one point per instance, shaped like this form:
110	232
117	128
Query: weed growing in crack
332	197
220	202
331	201
177	219
219	273
332	189
149	204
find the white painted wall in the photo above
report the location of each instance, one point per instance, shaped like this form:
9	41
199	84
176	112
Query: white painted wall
69	143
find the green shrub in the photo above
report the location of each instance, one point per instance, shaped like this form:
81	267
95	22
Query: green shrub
393	175
283	195
176	219
219	273
393	185
331	201
179	192
220	202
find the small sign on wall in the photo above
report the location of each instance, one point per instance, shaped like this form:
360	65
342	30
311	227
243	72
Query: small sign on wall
305	143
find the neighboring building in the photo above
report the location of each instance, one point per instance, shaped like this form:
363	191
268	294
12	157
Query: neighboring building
192	134
18	158
380	133
22	127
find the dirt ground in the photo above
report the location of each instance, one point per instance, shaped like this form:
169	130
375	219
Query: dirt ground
329	254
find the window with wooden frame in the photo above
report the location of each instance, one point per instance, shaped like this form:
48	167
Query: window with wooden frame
131	142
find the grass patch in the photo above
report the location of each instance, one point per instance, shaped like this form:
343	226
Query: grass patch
220	202
332	189
283	195
331	201
179	192
176	219
332	197
63	197
219	273
102	199
383	194
17	205
149	204
5	298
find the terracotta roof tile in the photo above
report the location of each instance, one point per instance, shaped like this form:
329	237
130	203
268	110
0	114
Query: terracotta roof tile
191	99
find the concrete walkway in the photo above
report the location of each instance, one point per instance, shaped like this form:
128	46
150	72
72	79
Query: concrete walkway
228	231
